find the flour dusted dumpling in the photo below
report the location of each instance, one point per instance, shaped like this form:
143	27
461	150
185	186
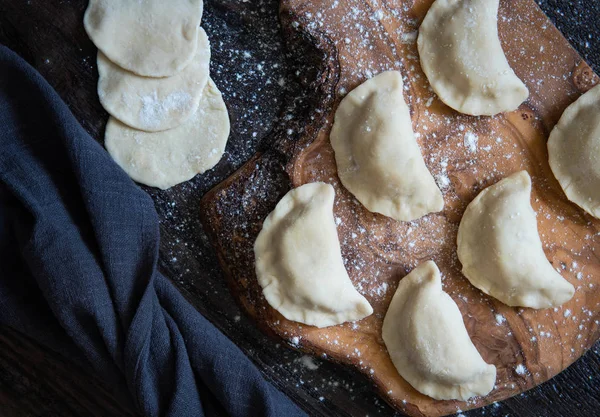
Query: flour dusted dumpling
164	159
574	152
463	59
299	263
500	249
378	158
153	38
428	343
154	104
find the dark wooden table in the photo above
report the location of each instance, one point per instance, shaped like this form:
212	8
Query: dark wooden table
262	85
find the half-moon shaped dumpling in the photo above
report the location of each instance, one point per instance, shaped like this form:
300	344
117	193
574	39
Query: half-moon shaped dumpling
378	158
428	343
154	104
574	152
463	59
299	262
500	249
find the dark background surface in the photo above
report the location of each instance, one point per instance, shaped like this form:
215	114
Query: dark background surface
262	87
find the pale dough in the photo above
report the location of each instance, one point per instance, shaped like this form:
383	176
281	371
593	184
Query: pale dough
164	159
299	263
153	38
463	59
378	158
574	152
428	343
500	249
154	104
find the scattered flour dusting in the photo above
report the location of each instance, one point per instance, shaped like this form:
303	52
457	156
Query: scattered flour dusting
381	289
442	179
409	37
470	142
500	319
309	362
378	15
520	369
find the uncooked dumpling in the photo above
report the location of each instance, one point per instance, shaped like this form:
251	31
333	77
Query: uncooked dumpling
299	263
153	38
378	158
428	343
574	151
164	159
463	59
500	249
154	104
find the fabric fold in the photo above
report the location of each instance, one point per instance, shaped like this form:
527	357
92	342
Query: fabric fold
78	267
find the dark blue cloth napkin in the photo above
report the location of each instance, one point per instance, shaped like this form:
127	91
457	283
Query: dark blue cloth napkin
78	254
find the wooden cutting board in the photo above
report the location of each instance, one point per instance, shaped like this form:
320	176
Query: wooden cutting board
347	42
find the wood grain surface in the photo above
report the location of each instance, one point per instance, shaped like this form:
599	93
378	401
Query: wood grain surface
34	382
357	39
269	85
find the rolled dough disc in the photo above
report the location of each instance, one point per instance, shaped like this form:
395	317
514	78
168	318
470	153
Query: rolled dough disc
153	38
164	159
154	104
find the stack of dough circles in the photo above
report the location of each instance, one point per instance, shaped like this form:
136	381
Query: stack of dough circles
154	104
167	158
168	119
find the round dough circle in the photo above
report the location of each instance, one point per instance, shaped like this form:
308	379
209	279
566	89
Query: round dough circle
574	152
153	38
164	159
154	104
